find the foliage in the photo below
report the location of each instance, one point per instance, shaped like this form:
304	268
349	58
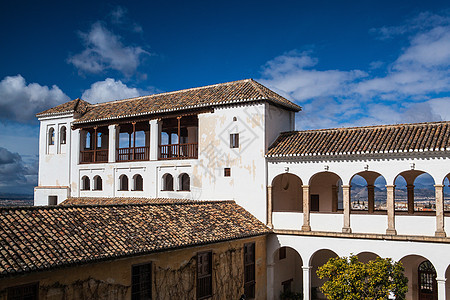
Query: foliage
288	295
350	279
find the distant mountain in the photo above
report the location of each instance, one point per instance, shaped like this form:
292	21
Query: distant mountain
8	199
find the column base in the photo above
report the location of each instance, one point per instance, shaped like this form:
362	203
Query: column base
346	230
306	228
440	234
391	232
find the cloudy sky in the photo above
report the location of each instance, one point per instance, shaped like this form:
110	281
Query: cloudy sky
347	63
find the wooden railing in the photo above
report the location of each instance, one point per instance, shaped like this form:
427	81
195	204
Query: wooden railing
94	156
178	151
133	154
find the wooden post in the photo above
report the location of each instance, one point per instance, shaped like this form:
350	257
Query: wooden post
410	203
95	143
370	198
179	132
134	140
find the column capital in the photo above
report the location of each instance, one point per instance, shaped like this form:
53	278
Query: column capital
306	268
305	186
346	186
269	186
438	185
410	186
370	186
390	186
440	279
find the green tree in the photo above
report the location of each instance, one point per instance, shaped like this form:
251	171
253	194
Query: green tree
349	279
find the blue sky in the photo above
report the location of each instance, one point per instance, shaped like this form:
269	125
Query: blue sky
347	63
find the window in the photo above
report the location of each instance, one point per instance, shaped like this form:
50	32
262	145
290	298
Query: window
62	135
141	282
29	291
52	200
123	183
314	203
138	182
99	139
98	183
167	182
234	140
185	182
249	270
234	119
227	172
51	136
85	183
282	253
204	275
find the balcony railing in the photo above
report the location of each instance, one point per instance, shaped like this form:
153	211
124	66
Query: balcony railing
133	154
94	156
178	151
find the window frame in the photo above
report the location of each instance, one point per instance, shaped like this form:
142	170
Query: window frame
63	135
98	179
51	136
165	183
204	275
137	294
250	270
138	186
226	172
184	185
85	183
234	140
121	187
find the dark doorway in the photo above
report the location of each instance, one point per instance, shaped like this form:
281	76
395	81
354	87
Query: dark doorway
427	281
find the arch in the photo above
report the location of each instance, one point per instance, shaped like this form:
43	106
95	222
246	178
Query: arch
184	182
123	182
63	135
325	190
98	183
411	263
318	259
366	256
85	183
287	193
446	191
368	191
288	275
447	282
414	191
138	183
167	182
51	136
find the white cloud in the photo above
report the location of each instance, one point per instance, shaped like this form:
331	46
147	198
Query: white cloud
20	101
105	50
108	90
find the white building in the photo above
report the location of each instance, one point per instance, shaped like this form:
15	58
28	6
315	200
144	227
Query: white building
237	141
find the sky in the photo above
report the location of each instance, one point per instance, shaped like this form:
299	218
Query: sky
347	63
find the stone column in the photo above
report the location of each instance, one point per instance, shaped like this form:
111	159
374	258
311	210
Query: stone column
306	282
269	206
390	189
370	198
441	288
270	278
439	190
346	202
112	142
334	198
306	224
154	139
410	193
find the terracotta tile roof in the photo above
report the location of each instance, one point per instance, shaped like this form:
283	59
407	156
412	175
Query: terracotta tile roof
75	106
207	96
419	137
119	200
45	237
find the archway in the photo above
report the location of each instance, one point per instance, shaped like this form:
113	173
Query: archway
325	190
421	280
368	191
414	191
318	259
287	193
288	274
447	283
446	183
365	257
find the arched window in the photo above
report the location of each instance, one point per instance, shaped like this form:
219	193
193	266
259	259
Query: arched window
427	281
98	183
99	139
185	182
138	182
62	135
51	136
88	140
123	181
85	183
167	182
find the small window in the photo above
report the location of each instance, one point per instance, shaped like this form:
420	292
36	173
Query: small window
141	281
227	172
123	183
88	140
282	253
185	182
234	140
52	200
249	270
85	183
138	182
204	275
167	182
234	119
51	136
99	139
62	135
98	183
314	203
28	291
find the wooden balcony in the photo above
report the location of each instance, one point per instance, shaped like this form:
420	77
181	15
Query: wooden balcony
133	154
178	151
94	156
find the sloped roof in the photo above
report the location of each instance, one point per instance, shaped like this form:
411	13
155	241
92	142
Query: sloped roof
74	106
433	136
119	200
207	96
45	237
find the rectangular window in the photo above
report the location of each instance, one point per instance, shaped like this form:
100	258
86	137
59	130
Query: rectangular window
227	172
234	140
28	291
249	270
141	282
52	200
204	275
